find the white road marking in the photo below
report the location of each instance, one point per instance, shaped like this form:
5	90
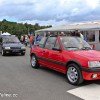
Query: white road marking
88	92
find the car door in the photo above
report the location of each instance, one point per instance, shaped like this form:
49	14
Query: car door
47	51
57	58
40	51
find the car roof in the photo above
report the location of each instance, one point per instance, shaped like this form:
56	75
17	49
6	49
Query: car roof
4	36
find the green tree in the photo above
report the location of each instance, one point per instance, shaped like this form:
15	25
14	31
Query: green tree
19	28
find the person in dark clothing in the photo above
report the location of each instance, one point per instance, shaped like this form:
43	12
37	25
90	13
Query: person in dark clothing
75	33
24	39
38	37
48	34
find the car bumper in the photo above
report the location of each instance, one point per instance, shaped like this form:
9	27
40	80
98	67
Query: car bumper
89	73
15	51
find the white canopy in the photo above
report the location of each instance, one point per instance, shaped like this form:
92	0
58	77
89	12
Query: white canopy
88	25
6	33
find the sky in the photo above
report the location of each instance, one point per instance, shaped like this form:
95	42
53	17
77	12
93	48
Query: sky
50	12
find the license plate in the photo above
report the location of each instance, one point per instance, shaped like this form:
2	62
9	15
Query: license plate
15	50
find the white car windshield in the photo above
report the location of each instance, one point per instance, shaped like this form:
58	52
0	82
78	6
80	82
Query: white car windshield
11	39
74	43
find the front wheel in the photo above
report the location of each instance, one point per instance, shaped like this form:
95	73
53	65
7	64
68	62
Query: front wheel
73	74
3	53
23	53
34	62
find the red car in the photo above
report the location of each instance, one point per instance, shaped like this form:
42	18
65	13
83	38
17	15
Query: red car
69	55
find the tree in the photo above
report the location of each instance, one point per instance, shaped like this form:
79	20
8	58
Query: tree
19	28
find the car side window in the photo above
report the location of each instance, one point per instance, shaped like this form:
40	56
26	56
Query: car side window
41	43
57	45
50	42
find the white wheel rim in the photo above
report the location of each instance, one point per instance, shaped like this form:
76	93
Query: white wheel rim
2	52
33	61
72	74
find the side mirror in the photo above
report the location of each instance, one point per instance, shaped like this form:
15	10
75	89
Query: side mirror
36	43
57	49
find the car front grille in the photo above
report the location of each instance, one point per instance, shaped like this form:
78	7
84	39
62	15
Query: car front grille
15	47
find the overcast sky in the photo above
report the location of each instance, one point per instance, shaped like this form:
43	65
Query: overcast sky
55	12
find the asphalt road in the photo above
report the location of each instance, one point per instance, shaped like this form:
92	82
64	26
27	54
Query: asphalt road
18	81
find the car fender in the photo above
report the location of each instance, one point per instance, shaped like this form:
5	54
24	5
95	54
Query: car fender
73	61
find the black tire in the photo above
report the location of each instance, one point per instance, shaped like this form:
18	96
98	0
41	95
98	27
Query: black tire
22	54
3	53
75	78
34	62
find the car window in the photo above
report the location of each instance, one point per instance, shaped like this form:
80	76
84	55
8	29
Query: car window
74	43
50	42
11	39
57	44
41	43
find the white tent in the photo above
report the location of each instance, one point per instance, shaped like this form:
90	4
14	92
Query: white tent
84	26
6	33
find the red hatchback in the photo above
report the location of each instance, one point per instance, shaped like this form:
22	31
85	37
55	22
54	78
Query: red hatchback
69	55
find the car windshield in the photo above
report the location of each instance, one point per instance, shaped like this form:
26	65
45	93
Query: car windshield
11	39
74	43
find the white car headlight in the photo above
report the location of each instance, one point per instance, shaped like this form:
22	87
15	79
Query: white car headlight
93	64
7	48
23	47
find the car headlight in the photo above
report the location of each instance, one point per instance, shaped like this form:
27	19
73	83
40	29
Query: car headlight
7	48
23	48
93	64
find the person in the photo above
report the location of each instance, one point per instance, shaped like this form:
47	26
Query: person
61	34
77	33
48	34
38	37
22	38
31	39
26	40
82	36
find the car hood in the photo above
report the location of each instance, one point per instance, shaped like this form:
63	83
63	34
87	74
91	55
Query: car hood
12	45
90	54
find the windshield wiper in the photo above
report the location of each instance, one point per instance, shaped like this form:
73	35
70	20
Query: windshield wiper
72	47
86	48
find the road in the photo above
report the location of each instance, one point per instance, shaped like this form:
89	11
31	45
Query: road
18	81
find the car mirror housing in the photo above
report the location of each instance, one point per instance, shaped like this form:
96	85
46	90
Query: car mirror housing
36	44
